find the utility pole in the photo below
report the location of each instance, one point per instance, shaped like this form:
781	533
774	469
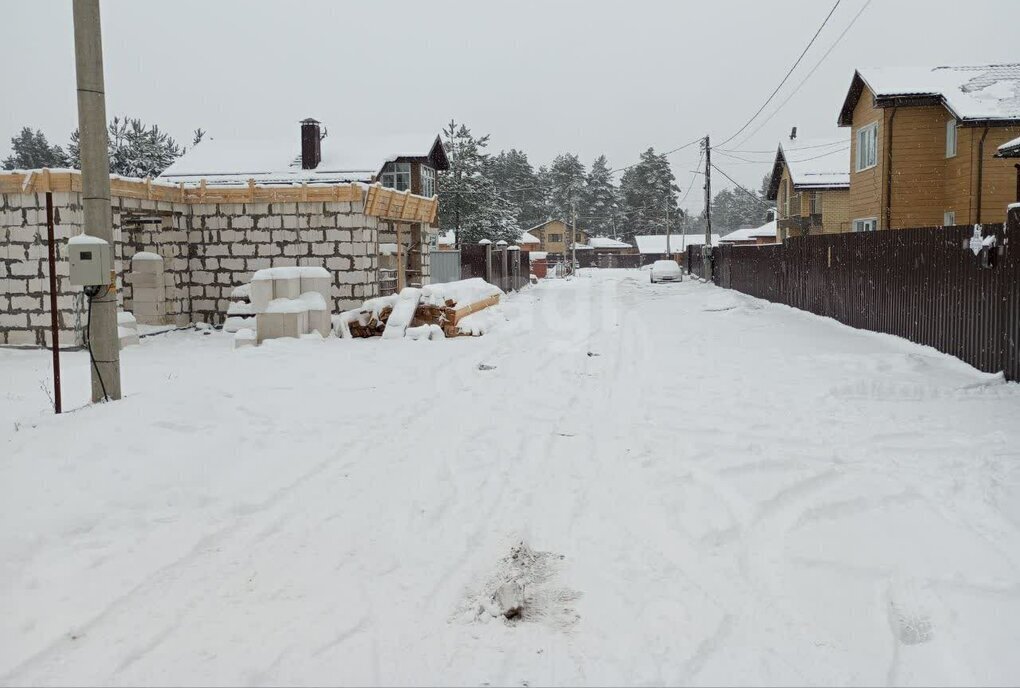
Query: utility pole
573	233
706	250
95	181
669	253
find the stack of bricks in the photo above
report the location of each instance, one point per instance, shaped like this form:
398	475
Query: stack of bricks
148	293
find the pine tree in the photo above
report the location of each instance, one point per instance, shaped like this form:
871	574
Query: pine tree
600	206
516	179
31	150
470	202
648	194
566	186
737	208
135	150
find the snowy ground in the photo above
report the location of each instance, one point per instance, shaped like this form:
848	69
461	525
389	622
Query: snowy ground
709	489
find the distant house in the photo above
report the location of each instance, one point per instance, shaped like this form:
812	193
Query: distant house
604	245
554	236
923	145
753	236
810	184
652	247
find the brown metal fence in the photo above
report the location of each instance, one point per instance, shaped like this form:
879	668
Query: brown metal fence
923	284
507	269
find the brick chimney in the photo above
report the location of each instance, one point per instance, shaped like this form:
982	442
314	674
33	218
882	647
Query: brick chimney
311	151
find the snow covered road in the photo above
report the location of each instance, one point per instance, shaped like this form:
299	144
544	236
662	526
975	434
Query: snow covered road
709	489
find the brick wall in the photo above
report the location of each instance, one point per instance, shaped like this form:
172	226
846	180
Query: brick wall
207	249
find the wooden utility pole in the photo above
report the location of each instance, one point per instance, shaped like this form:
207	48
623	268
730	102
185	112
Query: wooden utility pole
573	233
706	250
95	182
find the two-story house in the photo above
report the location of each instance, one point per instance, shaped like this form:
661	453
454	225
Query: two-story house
923	145
811	188
554	236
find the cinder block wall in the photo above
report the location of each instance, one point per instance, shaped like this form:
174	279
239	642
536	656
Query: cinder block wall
208	249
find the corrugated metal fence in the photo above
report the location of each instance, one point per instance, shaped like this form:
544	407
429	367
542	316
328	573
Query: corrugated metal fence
923	284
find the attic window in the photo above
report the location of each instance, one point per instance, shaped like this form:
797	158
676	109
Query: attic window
867	146
397	175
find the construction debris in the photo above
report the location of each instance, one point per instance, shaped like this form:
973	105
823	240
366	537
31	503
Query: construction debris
421	313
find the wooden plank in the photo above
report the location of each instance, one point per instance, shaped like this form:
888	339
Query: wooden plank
462	313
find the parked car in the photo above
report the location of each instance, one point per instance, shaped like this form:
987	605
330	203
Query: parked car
666	271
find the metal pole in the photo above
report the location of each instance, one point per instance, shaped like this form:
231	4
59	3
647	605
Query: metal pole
706	250
95	180
54	325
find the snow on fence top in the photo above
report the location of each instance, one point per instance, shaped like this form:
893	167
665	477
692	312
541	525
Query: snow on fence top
979	92
83	239
146	255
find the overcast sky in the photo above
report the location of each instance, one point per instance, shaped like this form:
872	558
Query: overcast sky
586	77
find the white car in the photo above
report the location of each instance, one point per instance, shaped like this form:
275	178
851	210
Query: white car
666	271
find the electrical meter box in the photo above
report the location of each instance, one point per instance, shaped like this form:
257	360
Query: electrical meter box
91	260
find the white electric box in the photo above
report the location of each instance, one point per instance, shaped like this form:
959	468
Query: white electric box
91	260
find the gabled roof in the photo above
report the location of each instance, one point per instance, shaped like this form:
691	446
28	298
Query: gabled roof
980	93
540	225
1010	149
752	233
527	238
812	166
656	243
344	159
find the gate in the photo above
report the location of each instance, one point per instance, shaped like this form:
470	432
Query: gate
445	266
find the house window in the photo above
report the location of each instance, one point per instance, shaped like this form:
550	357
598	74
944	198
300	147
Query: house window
816	203
949	218
951	138
428	181
554	238
789	197
866	225
867	147
397	175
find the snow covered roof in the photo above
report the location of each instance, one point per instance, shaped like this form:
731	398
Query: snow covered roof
607	242
978	92
752	233
540	225
656	243
812	165
445	239
527	238
1010	149
344	159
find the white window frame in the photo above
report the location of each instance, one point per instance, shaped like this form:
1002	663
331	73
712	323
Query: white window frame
397	175
865	224
428	181
949	218
867	147
951	138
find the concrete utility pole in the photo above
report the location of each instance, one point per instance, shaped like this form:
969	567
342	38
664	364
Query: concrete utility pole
95	181
706	250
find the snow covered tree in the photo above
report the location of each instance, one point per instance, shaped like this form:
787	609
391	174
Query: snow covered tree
135	149
566	185
648	195
736	208
470	203
516	180
600	205
31	150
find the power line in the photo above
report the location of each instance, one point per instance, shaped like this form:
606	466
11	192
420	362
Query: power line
669	152
813	69
790	72
845	148
749	193
835	142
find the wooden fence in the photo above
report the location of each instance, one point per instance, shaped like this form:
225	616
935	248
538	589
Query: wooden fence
923	284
